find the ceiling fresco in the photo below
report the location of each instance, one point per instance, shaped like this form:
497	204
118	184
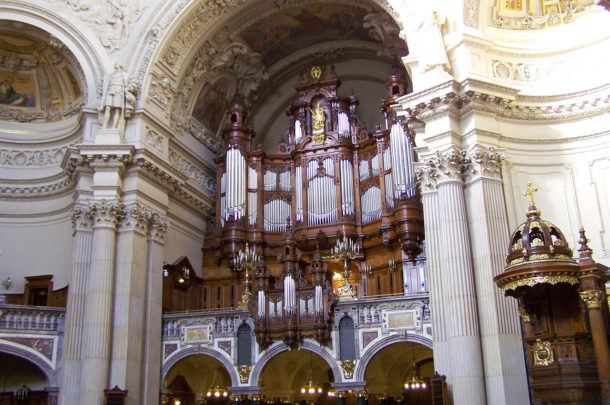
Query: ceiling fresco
40	79
296	28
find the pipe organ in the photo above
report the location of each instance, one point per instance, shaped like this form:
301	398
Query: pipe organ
330	176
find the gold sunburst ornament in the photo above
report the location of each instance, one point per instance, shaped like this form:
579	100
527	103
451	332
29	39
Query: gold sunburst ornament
316	72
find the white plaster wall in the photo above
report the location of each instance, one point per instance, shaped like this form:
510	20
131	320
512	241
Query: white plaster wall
184	236
35	245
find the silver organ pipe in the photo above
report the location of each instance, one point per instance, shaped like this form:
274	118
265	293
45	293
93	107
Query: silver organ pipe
275	213
269	180
235	183
402	162
363	169
343	125
321	193
261	303
252	198
375	165
223	199
347	187
298	184
318	302
290	301
387	165
371	204
298	131
285	181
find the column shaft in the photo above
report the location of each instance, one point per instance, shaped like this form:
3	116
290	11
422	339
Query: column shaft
502	347
467	379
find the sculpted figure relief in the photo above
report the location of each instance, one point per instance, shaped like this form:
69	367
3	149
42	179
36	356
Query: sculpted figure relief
430	44
319	118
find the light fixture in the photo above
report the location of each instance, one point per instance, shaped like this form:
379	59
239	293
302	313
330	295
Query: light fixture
246	260
216	390
311	388
345	250
331	393
7	282
414	380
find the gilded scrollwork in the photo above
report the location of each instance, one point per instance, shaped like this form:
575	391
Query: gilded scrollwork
244	373
592	298
542	353
348	367
551	279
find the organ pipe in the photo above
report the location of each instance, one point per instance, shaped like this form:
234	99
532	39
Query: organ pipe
298	180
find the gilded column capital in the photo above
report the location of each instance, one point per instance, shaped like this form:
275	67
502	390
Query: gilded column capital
348	367
593	298
483	163
82	218
157	227
106	213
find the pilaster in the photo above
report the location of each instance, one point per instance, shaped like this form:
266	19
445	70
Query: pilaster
81	260
458	285
129	297
151	349
97	323
500	331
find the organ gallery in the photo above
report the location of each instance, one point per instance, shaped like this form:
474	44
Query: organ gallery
331	181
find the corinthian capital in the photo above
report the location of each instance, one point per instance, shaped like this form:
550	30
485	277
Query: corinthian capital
427	177
106	213
135	219
81	218
483	163
157	226
446	166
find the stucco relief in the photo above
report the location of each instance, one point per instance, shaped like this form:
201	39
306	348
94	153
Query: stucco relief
207	182
534	14
111	19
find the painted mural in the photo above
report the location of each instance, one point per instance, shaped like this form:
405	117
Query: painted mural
17	90
296	28
211	104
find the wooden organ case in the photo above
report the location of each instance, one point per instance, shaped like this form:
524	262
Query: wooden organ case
330	177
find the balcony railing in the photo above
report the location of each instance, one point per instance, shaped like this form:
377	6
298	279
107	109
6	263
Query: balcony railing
20	318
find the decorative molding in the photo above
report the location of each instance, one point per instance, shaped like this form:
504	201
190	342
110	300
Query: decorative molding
535	280
471	13
32	158
157	227
38	190
207	182
197	21
542	353
161	93
156	141
106	214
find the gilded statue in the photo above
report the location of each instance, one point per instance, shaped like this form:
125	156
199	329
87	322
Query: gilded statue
319	118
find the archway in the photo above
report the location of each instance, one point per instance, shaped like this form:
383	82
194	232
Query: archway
388	368
24	375
189	380
289	375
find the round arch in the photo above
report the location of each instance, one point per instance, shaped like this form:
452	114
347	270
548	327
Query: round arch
280	347
44	366
87	53
189	351
385	342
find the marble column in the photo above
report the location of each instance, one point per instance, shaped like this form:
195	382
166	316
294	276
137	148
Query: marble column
129	302
81	260
97	321
432	231
151	348
467	382
502	348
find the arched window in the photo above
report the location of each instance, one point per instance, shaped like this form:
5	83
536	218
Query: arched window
347	342
244	345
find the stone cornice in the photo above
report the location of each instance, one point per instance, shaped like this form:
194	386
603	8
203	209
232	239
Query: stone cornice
46	187
476	95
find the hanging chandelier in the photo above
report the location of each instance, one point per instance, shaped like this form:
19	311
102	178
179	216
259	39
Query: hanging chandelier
310	388
216	390
414	380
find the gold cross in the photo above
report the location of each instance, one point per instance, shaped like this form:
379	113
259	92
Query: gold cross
529	191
